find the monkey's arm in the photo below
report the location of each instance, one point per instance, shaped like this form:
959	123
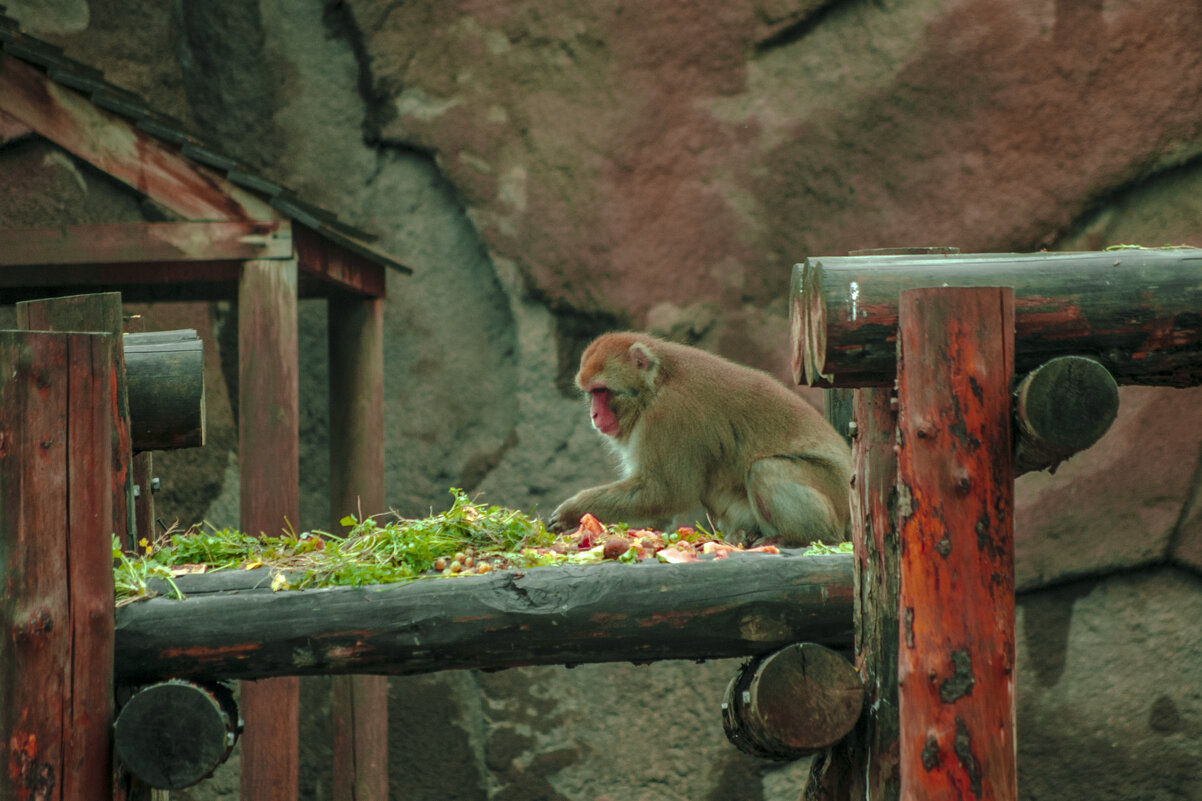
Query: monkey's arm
635	500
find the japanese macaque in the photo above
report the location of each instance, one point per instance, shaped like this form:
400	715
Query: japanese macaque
693	429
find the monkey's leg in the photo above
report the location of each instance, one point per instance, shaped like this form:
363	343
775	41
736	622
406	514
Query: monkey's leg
794	500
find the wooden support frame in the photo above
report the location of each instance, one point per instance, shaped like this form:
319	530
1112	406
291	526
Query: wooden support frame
844	311
268	428
56	615
122	150
359	703
100	312
865	764
956	700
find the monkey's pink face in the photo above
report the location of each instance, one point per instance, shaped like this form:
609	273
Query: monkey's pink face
604	419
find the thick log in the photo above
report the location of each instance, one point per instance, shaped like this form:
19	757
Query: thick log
56	608
173	734
844	311
956	511
740	606
359	704
166	389
792	703
97	312
268	451
1061	408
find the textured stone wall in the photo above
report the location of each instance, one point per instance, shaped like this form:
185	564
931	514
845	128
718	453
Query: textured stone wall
554	169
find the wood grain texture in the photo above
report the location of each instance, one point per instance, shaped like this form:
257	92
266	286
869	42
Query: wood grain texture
865	763
115	146
268	429
135	243
359	703
800	700
739	606
56	614
165	372
97	312
844	311
956	511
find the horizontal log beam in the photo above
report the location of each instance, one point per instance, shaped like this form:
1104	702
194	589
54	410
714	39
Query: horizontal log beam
1060	409
739	606
138	243
793	703
1134	310
165	372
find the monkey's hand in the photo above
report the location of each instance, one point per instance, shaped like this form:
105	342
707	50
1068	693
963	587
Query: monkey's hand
566	516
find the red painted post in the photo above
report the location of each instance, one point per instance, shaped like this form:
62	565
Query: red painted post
268	454
96	312
955	510
56	580
360	703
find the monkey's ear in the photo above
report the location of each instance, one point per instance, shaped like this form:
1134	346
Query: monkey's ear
644	360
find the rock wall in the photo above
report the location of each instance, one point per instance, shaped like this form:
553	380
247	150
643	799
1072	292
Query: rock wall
551	170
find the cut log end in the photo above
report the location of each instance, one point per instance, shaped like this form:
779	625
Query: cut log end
792	703
797	322
173	734
1062	408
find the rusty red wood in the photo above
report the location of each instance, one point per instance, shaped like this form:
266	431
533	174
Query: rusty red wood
1134	310
117	147
56	610
955	509
330	264
269	463
134	243
92	377
97	312
360	703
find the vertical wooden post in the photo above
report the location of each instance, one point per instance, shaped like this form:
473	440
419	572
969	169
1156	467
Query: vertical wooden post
955	509
268	454
56	607
360	703
865	764
96	312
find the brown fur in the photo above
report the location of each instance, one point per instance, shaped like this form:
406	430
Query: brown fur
694	429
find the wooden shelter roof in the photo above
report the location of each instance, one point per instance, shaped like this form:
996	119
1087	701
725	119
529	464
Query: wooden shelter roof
228	213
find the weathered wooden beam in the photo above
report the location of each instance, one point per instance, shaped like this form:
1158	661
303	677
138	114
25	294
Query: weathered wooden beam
116	146
97	312
144	282
136	243
1061	408
740	606
337	266
166	389
792	703
844	313
356	392
173	734
268	453
56	610
955	506
865	764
